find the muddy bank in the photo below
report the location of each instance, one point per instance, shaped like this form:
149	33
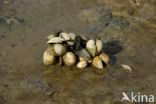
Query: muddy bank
127	27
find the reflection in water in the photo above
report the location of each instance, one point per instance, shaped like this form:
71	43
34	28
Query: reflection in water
73	83
64	77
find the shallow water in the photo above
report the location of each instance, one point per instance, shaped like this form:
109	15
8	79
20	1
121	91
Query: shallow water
128	29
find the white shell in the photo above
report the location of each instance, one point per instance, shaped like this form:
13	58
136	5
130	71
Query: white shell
60	49
69	58
91	47
127	67
104	57
82	64
81	58
72	36
70	42
99	46
64	36
48	58
51	50
55	40
50	36
84	54
97	62
84	38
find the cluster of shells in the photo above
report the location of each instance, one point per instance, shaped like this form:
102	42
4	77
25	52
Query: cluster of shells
71	49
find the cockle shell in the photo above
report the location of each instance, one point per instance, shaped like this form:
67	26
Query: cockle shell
91	47
70	43
48	58
81	58
99	46
127	67
72	36
50	36
97	62
82	64
55	40
104	57
84	38
84	54
69	58
51	50
59	49
64	36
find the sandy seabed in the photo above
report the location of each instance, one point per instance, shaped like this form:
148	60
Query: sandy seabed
128	28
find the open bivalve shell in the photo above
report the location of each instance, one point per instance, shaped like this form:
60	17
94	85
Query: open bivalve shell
104	57
94	47
91	47
99	46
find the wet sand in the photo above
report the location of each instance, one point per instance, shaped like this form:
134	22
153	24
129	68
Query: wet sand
128	28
